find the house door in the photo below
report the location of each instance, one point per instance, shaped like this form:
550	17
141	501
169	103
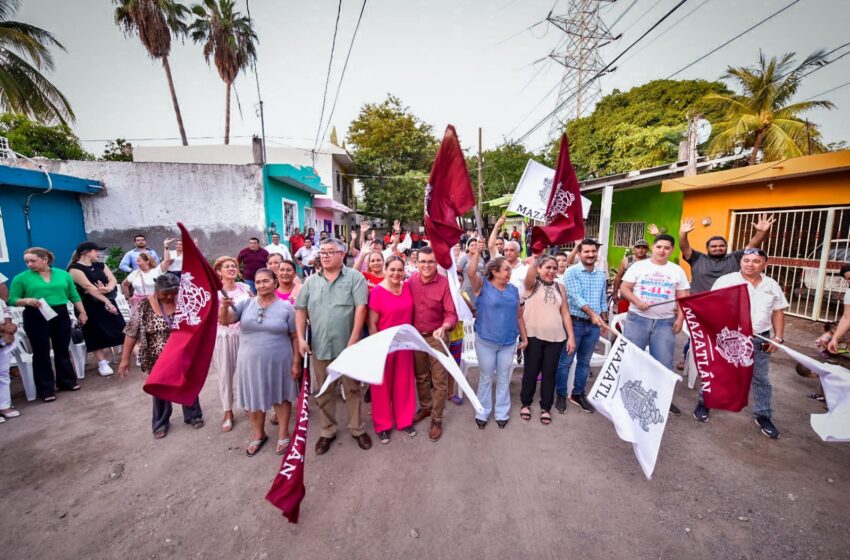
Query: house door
806	247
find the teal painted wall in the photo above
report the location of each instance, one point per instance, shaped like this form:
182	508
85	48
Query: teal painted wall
648	205
275	191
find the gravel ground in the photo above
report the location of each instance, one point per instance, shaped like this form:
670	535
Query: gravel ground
83	478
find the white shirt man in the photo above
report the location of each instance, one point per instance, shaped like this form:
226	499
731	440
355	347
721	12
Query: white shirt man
276	247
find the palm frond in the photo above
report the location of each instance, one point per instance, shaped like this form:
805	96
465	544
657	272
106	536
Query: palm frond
23	89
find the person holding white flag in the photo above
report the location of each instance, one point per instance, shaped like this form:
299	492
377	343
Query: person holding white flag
633	390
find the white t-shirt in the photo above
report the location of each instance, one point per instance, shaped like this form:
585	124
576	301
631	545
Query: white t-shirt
765	298
656	283
307	256
518	278
142	282
176	262
846	296
281	250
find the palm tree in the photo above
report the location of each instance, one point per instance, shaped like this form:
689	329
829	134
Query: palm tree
24	53
229	39
155	22
762	117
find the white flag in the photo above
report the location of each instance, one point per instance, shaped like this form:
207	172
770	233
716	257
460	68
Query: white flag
365	360
835	380
634	391
532	193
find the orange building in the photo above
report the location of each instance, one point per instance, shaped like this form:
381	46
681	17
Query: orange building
810	198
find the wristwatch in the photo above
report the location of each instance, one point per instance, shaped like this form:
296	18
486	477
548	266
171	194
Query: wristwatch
779	339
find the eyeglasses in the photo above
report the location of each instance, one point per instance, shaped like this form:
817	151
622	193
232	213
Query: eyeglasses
261	312
420	261
328	253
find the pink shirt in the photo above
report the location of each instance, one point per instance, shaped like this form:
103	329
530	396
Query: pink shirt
393	310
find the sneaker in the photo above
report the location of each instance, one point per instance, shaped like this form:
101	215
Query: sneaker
409	431
104	369
767	427
581	401
674	410
456	400
384	436
701	413
561	404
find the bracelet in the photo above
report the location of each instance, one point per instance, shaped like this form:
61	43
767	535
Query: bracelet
779	339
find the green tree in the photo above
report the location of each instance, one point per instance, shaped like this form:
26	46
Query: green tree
763	117
636	128
118	150
229	39
24	54
156	22
34	139
502	168
392	151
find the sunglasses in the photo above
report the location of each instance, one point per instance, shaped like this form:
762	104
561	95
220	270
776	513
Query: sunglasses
754	251
261	312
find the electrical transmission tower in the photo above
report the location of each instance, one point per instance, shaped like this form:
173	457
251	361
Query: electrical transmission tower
585	33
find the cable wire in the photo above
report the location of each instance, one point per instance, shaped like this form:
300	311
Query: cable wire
738	36
327	79
660	35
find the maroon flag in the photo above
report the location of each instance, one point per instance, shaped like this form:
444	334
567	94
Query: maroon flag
564	218
181	369
448	196
722	344
288	490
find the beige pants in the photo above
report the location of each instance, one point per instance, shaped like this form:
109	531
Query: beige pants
327	401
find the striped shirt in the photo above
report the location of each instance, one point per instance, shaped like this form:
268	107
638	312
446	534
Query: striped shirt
585	288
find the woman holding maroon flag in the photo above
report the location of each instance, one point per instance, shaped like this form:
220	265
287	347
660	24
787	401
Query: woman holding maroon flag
265	364
394	400
548	325
150	326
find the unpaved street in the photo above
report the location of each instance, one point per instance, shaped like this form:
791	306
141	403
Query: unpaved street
83	478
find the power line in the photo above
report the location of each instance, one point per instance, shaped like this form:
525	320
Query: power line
344	67
327	78
845	84
663	33
738	36
616	21
639	17
605	69
828	62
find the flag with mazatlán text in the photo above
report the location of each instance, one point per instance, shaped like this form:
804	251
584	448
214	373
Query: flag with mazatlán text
448	196
634	391
182	366
721	332
288	489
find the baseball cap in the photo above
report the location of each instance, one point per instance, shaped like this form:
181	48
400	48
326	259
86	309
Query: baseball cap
641	243
89	246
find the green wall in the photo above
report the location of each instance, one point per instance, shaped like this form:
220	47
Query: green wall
275	191
648	205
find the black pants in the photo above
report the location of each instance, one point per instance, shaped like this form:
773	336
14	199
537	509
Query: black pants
42	334
541	357
162	413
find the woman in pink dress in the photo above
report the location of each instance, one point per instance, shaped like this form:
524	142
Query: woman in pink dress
393	401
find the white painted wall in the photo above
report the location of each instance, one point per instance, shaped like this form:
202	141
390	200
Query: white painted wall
220	204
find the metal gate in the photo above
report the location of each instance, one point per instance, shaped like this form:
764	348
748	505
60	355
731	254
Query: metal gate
806	247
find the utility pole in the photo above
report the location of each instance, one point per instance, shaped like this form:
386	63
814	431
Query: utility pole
691	146
478	208
586	33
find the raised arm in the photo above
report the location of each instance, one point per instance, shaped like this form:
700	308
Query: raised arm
762	228
475	280
366	250
166	257
531	274
491	241
686	227
571	258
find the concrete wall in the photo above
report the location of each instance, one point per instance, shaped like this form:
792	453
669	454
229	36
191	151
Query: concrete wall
222	205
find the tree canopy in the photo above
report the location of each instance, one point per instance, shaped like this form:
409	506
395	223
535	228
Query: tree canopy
392	151
33	139
502	168
638	128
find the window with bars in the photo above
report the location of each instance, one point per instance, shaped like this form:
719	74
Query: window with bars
627	233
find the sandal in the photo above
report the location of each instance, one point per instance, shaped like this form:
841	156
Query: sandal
282	445
197	423
159	434
545	418
256	444
816	397
525	413
227	425
49	399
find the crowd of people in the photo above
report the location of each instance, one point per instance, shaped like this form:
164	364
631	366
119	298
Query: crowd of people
319	295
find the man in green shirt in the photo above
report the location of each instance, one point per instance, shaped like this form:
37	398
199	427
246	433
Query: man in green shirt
334	300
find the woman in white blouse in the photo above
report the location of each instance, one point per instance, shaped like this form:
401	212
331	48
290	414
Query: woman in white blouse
139	284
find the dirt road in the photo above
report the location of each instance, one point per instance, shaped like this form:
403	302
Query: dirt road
83	478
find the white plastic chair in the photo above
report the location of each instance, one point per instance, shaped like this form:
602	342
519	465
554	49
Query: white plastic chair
23	359
78	351
690	370
469	359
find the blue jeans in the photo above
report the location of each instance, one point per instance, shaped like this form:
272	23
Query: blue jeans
251	285
494	360
586	334
762	389
655	333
